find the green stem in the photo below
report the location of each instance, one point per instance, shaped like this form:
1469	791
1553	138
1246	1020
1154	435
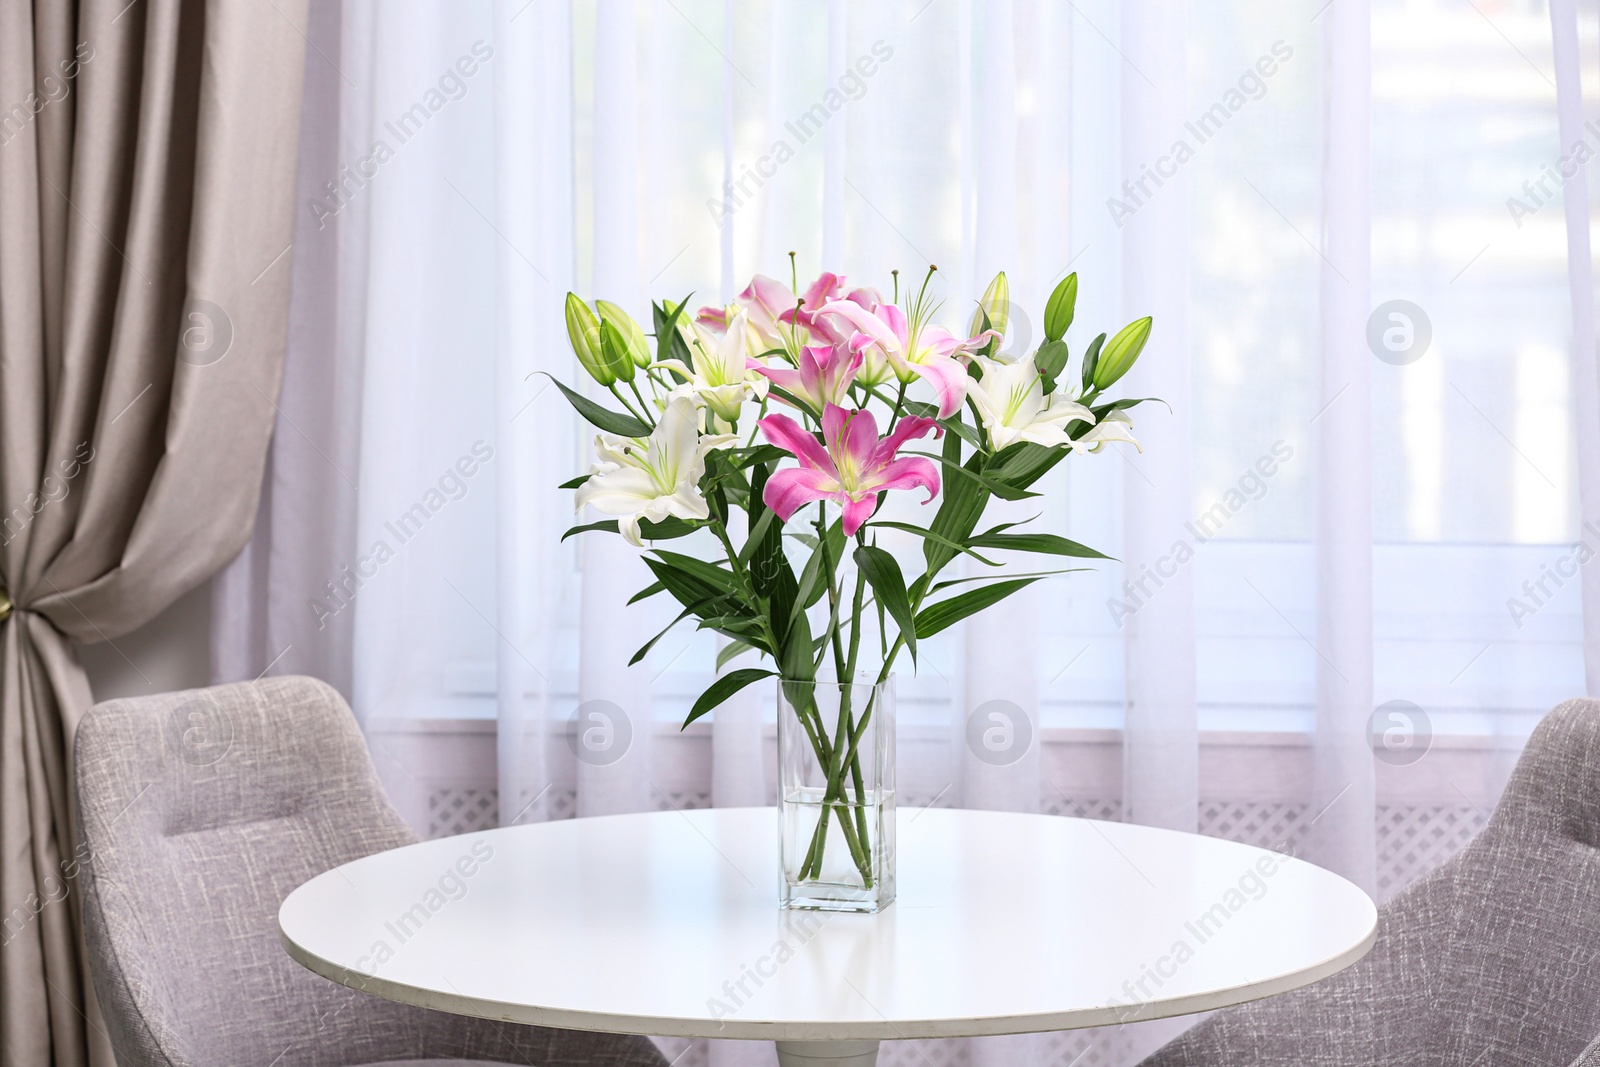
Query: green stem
812	867
854	762
633	383
854	832
624	402
743	575
899	402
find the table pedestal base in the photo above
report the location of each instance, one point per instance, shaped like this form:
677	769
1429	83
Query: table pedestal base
827	1054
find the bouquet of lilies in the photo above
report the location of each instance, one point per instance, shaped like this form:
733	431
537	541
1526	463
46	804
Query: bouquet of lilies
781	423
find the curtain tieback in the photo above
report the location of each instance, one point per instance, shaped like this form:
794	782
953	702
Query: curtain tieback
5	604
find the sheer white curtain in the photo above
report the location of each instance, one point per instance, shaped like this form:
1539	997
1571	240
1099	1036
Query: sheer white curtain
1338	536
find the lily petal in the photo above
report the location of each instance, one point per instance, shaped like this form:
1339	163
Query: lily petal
851	435
868	322
788	435
907	429
792	488
949	380
911	472
819	292
616	492
857	512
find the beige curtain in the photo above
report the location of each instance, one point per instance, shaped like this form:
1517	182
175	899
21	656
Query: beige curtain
147	166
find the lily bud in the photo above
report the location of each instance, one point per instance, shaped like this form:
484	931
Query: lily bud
996	304
1058	310
583	333
614	348
634	337
1120	352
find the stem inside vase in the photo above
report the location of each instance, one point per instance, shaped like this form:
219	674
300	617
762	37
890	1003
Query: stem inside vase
833	772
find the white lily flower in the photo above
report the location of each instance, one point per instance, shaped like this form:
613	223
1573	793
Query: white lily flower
652	477
1116	426
720	375
1012	401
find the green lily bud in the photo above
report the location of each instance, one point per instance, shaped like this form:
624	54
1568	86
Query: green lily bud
996	304
1120	352
637	345
583	332
614	348
1051	360
1058	310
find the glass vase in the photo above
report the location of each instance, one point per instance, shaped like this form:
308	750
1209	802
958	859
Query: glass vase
836	794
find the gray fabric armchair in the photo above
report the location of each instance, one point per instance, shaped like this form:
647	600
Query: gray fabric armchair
199	812
1493	959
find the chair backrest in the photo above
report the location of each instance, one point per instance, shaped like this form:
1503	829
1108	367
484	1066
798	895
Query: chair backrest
1490	959
199	812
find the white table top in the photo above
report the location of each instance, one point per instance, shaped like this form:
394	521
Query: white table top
666	923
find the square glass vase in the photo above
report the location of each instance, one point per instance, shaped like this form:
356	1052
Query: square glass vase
836	754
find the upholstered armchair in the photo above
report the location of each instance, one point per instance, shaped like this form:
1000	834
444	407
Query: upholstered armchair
199	812
1493	959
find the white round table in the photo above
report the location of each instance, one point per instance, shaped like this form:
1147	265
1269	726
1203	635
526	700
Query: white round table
667	924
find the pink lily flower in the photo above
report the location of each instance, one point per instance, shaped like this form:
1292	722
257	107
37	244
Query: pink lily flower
824	377
827	288
769	306
851	465
766	300
713	317
929	353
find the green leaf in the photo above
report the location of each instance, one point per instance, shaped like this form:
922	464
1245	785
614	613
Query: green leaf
645	648
1004	526
951	449
883	572
1059	309
950	583
712	575
573	483
798	662
954	547
1024	463
740	458
947	613
731	650
669	342
1090	358
723	688
604	526
602	417
953	424
1102	410
647	592
770	572
665	530
1045	543
738	627
959	512
691	589
757	534
961	430
811	586
998	488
